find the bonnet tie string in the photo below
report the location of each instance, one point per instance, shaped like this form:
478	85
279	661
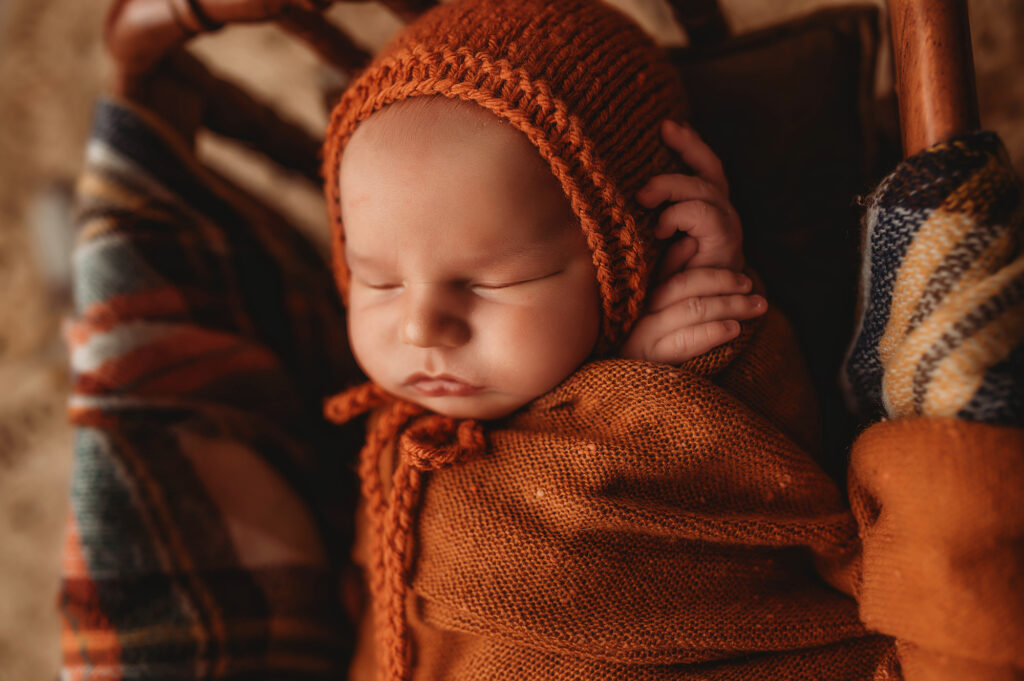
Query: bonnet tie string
426	442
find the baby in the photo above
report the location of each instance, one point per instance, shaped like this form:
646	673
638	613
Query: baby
545	495
472	289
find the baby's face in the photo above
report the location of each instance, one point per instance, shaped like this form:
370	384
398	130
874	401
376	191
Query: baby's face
472	288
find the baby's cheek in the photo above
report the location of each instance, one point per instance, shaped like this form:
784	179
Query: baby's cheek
367	337
537	346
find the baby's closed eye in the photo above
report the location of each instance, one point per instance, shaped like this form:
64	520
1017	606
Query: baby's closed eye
382	286
515	282
388	284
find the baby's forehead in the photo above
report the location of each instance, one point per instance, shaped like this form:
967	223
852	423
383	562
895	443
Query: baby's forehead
428	117
460	131
428	159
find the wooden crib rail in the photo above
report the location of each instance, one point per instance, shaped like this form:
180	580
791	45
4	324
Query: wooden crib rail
703	20
931	45
408	10
332	44
230	111
146	37
934	71
141	33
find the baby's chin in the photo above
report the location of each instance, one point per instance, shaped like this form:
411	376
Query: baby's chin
484	407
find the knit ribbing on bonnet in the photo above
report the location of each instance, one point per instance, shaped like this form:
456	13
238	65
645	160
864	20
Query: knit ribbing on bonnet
586	86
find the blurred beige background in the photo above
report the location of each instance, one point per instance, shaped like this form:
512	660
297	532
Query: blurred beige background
52	66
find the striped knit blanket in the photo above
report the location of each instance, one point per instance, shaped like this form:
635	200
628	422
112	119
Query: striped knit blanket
200	543
941	330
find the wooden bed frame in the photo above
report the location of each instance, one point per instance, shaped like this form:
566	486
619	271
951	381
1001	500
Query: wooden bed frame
931	46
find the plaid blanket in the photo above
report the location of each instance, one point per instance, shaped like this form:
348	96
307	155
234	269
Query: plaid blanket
941	331
206	518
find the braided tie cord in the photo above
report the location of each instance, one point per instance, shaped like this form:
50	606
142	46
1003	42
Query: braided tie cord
438	442
426	442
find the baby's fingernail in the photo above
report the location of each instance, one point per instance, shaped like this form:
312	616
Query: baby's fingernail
742	280
732	327
758	302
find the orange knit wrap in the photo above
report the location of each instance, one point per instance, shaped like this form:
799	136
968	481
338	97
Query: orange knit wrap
640	521
586	86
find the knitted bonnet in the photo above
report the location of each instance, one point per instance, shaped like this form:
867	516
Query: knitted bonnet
586	86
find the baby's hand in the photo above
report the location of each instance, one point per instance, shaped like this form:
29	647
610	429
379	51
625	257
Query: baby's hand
700	207
691	313
695	309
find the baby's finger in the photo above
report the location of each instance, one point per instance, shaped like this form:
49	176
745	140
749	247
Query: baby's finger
697	218
695	283
676	257
669	332
695	153
687	343
700	310
676	187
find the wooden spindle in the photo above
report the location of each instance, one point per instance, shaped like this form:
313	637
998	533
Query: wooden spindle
934	71
703	21
328	41
408	10
232	112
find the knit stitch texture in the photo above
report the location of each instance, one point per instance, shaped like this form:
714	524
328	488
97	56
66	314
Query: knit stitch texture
585	85
941	331
640	521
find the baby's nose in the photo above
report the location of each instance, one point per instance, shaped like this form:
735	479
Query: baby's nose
433	321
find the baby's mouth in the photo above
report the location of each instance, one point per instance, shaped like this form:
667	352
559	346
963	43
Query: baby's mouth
443	385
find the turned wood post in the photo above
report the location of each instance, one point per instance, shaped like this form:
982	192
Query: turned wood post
931	42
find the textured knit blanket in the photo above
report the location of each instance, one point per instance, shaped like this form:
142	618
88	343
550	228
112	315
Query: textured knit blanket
640	521
200	544
942	324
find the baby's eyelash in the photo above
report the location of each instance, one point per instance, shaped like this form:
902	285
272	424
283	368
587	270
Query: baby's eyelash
516	283
389	286
494	286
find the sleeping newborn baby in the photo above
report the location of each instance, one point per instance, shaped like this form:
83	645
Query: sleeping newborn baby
577	464
472	289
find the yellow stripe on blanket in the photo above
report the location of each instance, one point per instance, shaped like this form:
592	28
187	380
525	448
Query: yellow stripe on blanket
973	329
948	226
948	392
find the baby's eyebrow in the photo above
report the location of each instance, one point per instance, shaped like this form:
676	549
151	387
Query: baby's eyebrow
496	256
358	258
